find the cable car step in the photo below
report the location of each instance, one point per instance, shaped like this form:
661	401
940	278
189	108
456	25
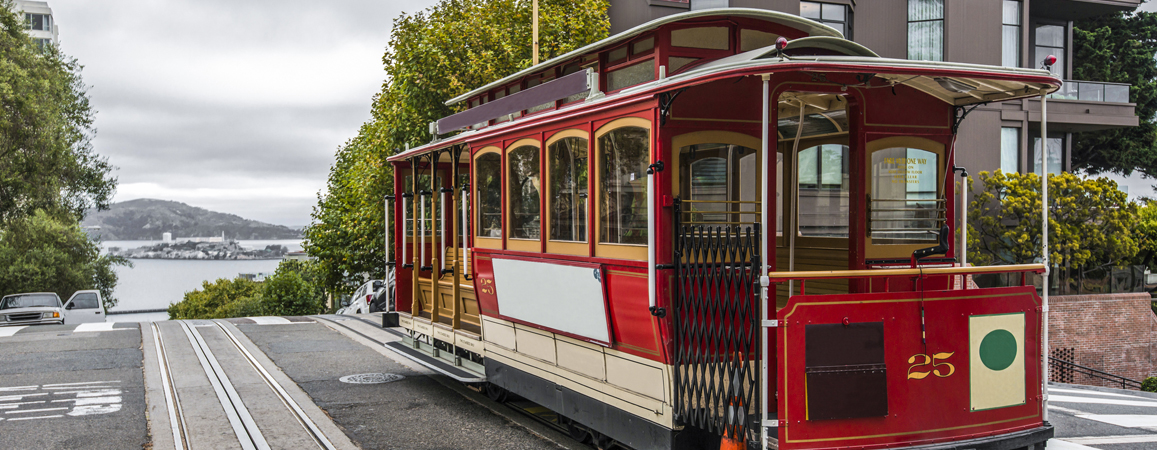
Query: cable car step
435	364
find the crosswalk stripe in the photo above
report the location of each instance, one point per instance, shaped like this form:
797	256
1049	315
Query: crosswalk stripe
270	320
1104	394
98	326
1101	401
1108	440
9	331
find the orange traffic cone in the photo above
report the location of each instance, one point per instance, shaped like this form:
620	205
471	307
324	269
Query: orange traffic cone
735	410
730	443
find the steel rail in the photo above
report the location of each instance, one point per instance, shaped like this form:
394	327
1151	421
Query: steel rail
302	418
172	401
248	435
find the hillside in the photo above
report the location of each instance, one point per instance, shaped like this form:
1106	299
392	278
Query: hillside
149	218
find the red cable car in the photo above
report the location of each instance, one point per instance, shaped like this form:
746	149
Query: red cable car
723	227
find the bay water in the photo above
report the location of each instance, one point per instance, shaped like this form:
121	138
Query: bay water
157	283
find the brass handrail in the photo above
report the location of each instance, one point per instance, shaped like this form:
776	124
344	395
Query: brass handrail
783	277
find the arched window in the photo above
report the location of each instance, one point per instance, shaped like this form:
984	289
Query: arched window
488	197
623	157
524	189
906	205
567	201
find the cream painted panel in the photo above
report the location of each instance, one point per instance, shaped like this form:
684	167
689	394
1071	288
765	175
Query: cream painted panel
636	377
582	360
424	326
443	334
467	343
498	333
534	344
406	321
556	296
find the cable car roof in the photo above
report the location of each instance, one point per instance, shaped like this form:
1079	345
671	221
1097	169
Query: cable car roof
812	28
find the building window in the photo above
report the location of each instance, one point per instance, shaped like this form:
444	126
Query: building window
1010	41
624	154
1010	150
568	189
39	22
830	14
926	30
823	191
1055	155
488	194
1050	40
524	192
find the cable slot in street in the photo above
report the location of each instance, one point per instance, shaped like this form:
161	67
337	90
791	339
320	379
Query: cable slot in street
248	434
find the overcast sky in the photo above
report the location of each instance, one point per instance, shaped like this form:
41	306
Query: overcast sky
233	106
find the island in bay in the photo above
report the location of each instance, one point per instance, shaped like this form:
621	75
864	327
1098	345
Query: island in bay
200	250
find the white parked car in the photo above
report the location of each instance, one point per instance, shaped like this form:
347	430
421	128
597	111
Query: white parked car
33	308
84	307
366	299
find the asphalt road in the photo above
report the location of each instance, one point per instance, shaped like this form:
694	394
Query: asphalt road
89	386
1101	418
64	388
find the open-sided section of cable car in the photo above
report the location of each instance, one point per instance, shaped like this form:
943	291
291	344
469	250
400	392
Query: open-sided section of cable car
696	231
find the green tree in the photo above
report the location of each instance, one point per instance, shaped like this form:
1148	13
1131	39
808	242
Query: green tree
46	127
434	55
1146	232
1091	222
41	253
220	299
289	291
1119	48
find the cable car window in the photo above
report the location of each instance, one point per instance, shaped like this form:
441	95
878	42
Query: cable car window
524	192
753	39
568	189
631	75
823	191
905	190
721	182
713	38
488	195
623	158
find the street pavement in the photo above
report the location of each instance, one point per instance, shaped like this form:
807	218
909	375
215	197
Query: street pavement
285	381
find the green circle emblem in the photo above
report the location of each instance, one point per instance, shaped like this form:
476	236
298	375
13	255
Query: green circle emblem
998	350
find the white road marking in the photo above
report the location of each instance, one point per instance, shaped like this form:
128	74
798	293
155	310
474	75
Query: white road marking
1057	444
9	398
1065	410
9	331
92	392
50	386
1101	401
270	320
17	405
98	326
1087	392
84	387
18	388
1123	420
13	419
34	410
1108	440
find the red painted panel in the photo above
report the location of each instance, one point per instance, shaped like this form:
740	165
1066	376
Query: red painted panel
920	411
484	283
633	328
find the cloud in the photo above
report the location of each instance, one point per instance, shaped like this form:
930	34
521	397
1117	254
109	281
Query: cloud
231	106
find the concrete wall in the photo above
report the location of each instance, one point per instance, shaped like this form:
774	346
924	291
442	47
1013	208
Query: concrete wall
1114	333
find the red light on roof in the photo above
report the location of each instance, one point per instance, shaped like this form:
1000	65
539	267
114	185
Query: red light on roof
1050	60
780	43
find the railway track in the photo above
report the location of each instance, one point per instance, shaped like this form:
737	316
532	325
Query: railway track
237	405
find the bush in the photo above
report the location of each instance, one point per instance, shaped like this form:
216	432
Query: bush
287	293
1149	385
220	299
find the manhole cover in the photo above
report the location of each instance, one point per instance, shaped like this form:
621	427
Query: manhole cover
370	378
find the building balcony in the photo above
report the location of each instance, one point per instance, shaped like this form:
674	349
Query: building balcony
1093	91
1080	9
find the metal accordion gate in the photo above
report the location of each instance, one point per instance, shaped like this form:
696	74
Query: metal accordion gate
716	326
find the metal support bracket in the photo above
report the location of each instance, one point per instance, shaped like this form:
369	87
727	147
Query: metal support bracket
770	323
666	99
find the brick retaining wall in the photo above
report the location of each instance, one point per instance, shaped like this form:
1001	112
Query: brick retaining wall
1114	333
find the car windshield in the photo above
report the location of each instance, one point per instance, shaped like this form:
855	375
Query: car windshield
29	300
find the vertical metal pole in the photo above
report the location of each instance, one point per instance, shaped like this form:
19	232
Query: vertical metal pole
1044	202
534	31
465	231
651	219
435	265
456	289
763	268
416	267
386	225
795	197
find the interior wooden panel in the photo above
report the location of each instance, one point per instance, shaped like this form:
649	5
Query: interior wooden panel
471	320
808	259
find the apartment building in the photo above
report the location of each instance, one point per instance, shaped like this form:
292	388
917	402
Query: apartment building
39	20
1017	33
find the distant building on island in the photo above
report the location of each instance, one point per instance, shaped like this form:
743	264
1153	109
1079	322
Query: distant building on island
220	238
166	237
